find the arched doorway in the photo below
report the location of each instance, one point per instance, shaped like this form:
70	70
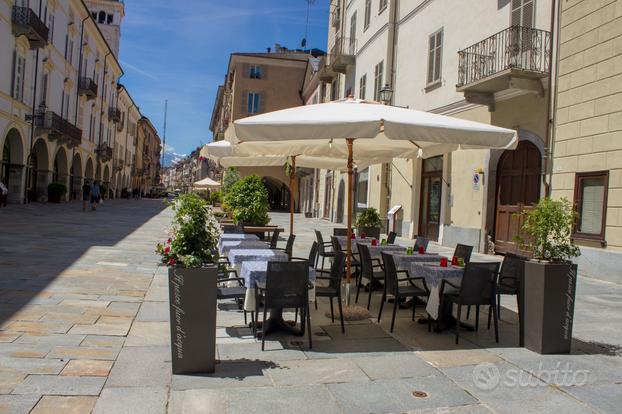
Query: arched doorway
12	165
76	176
98	172
60	170
278	194
340	201
39	168
106	182
88	171
518	188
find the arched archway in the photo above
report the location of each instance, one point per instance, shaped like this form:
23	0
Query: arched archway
340	201
89	173
106	181
98	172
60	170
12	165
518	189
278	194
39	168
76	176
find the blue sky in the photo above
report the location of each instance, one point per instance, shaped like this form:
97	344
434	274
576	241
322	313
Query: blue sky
179	50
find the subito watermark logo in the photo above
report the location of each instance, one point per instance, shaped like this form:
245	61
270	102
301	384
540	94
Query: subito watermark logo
487	376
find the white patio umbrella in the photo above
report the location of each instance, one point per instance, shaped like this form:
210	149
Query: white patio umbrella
206	183
331	129
228	155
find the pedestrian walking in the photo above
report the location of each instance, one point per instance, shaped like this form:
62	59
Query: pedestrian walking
86	194
95	195
4	194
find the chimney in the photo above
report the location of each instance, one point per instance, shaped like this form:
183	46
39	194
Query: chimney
269	49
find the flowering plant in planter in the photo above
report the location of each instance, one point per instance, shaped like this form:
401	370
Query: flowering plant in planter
193	236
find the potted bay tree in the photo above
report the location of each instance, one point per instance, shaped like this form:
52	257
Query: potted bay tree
368	221
191	254
247	200
550	278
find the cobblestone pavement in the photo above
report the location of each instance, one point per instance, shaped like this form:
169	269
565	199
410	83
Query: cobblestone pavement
84	328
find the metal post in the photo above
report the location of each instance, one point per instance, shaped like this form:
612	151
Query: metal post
350	142
292	179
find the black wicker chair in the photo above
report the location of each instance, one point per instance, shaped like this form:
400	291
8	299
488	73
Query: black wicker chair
391	237
289	247
323	250
238	292
274	239
287	287
392	287
463	251
371	269
354	262
478	287
338	231
333	290
421	242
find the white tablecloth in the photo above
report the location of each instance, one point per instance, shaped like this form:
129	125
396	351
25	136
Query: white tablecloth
226	246
237	256
375	251
344	239
434	274
403	260
255	272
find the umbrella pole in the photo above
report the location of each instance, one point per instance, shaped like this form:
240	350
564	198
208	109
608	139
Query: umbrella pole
292	177
350	142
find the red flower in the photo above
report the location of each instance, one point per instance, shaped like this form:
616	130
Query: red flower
171	262
167	250
169	241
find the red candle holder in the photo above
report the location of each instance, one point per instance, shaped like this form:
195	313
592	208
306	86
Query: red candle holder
374	242
454	261
443	262
421	250
363	235
353	235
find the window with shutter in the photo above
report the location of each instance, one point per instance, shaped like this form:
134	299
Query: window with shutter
362	86
378	75
435	54
382	5
591	204
13	74
367	14
253	102
255	71
523	13
352	40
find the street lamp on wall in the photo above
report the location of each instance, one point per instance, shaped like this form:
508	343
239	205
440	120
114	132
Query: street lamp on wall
386	94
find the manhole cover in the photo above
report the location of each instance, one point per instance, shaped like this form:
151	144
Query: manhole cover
419	394
297	343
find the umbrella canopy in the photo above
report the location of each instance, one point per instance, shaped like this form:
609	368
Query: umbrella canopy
331	129
206	183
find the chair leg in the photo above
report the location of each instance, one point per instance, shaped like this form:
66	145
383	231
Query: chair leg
343	328
468	312
332	312
496	323
413	319
295	316
498	306
358	290
263	329
382	301
245	320
458	323
429	323
370	292
309	326
489	319
476	317
253	324
395	304
323	258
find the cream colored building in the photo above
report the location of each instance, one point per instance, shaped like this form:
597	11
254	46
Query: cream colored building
587	148
58	88
124	151
484	61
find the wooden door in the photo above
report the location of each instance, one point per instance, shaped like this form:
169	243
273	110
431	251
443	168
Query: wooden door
518	189
431	197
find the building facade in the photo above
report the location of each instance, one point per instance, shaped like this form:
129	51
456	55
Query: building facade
494	70
149	176
587	146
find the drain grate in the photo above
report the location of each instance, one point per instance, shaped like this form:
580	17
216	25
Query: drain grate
419	394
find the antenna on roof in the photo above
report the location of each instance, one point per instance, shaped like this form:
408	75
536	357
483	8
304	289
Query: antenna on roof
164	131
303	44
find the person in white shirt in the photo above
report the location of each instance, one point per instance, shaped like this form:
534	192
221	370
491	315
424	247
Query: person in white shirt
4	193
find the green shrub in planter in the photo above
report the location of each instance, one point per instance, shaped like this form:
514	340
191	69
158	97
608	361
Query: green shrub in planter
369	222
247	199
230	177
216	197
56	192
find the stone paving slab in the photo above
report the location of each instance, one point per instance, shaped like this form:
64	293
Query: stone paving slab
59	385
84	352
52	404
141	367
33	365
135	400
197	401
17	404
149	334
401	365
87	368
228	375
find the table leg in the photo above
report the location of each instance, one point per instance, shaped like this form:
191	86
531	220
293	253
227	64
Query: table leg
276	323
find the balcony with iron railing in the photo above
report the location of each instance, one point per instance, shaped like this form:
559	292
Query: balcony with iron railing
343	54
105	152
87	87
57	128
514	58
114	114
26	22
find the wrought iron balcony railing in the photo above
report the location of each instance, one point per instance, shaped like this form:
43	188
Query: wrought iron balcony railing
58	128
517	48
105	152
114	114
87	87
26	22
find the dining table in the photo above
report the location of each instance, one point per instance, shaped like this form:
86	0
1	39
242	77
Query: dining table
238	256
403	260
434	274
238	236
225	246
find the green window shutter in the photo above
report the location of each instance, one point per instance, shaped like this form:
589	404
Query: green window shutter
13	74
244	103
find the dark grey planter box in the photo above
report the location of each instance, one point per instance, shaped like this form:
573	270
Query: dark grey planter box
549	291
192	300
373	232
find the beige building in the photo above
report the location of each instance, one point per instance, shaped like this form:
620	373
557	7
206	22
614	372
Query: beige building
256	83
150	150
124	150
494	70
587	147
